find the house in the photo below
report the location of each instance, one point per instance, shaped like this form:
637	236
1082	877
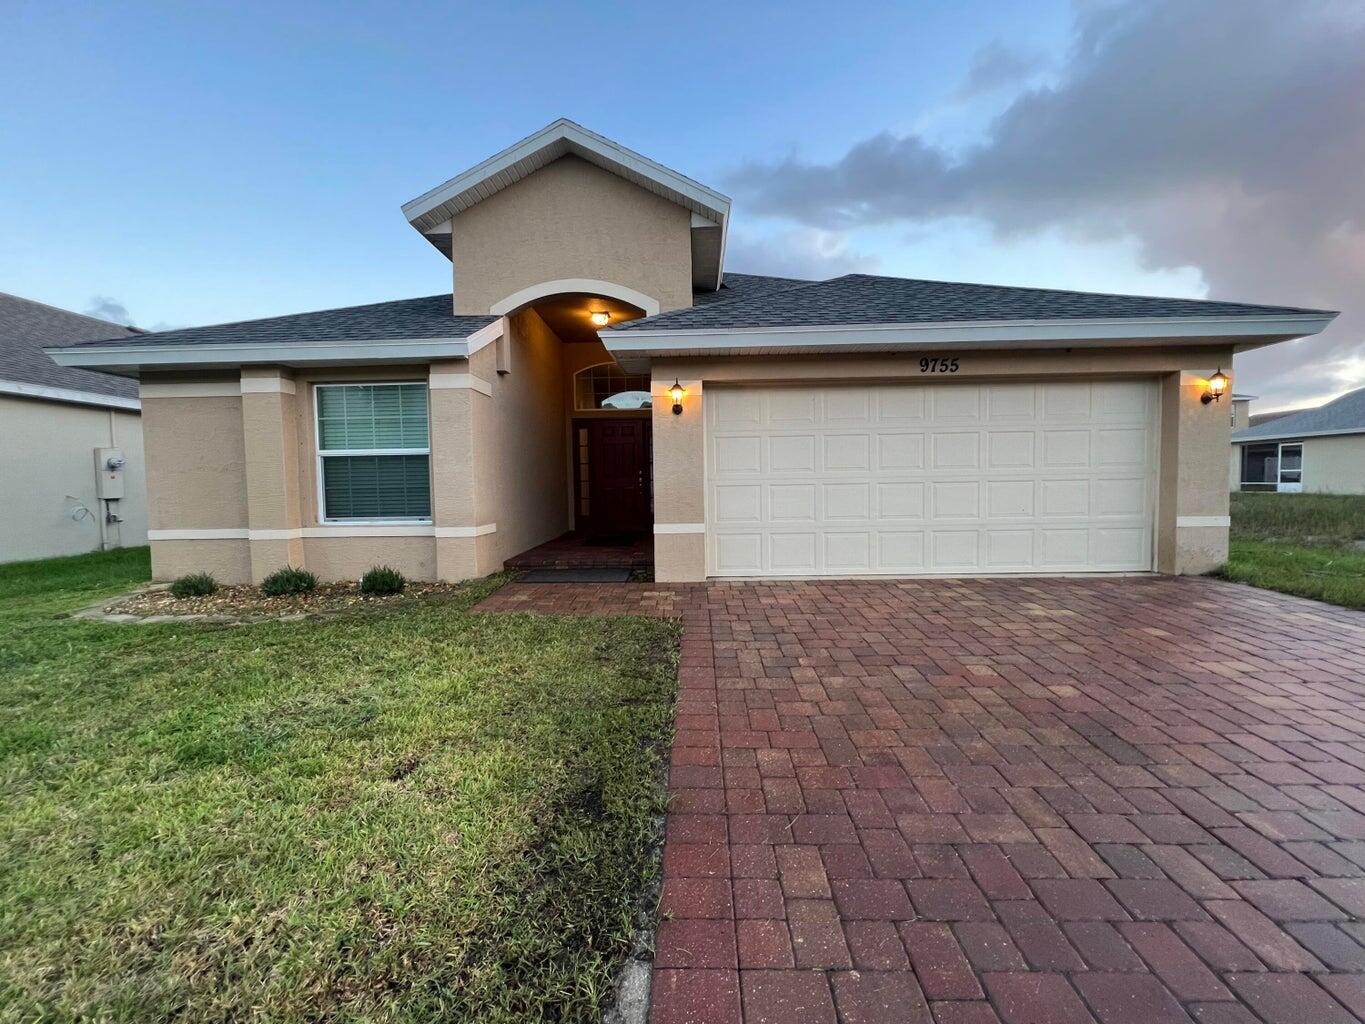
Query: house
71	459
1321	449
596	368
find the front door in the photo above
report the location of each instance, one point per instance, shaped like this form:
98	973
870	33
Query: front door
618	476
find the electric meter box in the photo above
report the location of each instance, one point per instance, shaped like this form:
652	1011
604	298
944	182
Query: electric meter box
109	473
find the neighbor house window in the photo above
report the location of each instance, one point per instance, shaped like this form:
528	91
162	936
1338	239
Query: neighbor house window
374	452
606	387
1272	467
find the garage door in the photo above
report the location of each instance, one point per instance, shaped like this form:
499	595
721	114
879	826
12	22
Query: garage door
933	478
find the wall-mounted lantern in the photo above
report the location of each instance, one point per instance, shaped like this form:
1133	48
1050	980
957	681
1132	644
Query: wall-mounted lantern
676	392
600	318
1214	389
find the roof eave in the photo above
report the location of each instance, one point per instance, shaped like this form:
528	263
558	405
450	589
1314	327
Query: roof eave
1294	435
1243	332
67	396
134	358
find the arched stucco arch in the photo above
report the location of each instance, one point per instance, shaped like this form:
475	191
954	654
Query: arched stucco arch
571	285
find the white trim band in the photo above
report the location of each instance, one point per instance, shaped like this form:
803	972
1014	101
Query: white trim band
193	389
591	286
460	382
15	387
267	386
290	353
671	528
466	531
341	530
1184	521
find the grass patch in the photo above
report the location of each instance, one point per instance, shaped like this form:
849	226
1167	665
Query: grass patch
1299	544
1298	518
1335	575
416	815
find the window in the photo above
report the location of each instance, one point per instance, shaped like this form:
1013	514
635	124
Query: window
606	387
1272	467
374	454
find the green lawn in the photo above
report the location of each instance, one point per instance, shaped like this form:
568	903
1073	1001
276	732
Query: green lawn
1299	544
412	815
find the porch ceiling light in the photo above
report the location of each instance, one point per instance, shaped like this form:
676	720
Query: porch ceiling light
600	318
1214	389
676	392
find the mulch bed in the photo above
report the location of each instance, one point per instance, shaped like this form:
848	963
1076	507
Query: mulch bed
249	602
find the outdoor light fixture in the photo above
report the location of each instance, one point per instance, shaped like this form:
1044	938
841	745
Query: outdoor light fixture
600	318
1213	391
676	392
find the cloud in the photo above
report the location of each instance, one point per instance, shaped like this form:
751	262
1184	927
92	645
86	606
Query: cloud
802	252
105	308
996	67
1226	135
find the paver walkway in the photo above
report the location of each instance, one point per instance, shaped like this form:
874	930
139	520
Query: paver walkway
1029	801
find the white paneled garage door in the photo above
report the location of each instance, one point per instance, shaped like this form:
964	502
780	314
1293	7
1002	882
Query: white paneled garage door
899	480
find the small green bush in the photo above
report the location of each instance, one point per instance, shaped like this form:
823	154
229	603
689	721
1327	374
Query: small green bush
288	581
382	580
196	584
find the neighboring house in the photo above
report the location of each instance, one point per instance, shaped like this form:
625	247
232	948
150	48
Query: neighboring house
852	427
1320	449
60	429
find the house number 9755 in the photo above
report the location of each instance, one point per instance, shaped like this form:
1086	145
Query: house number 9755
938	364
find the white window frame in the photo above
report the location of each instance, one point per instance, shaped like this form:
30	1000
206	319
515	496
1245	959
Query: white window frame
319	455
1281	485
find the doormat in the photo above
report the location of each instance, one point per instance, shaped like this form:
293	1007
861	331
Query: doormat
574	576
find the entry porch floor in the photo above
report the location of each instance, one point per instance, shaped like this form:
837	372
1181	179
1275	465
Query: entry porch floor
589	551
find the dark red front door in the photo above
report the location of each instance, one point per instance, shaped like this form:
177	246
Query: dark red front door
618	474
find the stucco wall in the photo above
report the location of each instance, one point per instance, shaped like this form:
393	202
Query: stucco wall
48	455
1334	464
1191	533
522	459
571	220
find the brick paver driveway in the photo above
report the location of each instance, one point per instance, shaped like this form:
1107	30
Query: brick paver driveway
1026	800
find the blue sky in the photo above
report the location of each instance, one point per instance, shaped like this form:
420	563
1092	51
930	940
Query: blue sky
199	163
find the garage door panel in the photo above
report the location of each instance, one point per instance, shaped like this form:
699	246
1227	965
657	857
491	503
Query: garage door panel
930	478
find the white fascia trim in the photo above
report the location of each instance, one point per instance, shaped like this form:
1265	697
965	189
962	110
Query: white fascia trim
192	389
71	395
1193	521
466	531
978	333
485	336
591	286
1298	434
576	136
291	353
267	386
672	528
460	382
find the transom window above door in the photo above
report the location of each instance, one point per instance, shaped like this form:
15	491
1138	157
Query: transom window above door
605	386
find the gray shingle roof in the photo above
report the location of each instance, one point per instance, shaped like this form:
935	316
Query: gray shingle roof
27	326
745	286
1344	415
427	317
868	299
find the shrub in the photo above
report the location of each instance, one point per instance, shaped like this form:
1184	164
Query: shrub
288	581
196	584
382	580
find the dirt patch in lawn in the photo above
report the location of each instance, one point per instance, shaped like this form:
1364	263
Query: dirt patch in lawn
248	604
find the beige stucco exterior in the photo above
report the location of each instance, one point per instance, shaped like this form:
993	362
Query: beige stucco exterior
234	476
1192	507
48	468
571	220
1332	464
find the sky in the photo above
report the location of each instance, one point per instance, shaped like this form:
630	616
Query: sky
179	164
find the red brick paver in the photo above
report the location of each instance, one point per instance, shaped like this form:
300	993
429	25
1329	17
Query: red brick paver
1021	800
